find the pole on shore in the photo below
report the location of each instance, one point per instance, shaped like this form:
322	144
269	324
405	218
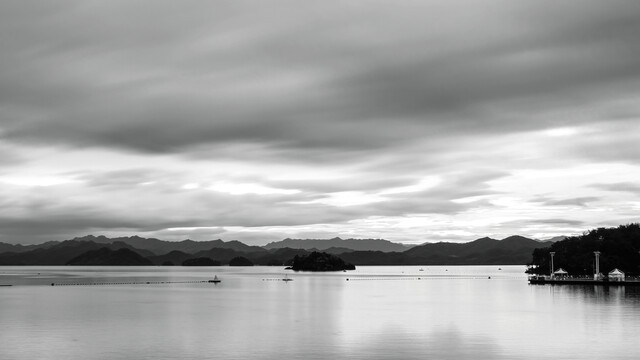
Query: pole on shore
596	276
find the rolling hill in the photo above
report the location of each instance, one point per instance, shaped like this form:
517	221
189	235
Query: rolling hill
351	244
487	251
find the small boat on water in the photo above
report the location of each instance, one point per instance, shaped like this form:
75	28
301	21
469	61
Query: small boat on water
215	280
421	269
286	278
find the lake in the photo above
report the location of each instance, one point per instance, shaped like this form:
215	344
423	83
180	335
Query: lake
374	312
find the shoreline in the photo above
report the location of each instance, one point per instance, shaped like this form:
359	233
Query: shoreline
534	281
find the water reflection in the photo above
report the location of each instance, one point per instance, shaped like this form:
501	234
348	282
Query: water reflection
616	295
389	314
447	343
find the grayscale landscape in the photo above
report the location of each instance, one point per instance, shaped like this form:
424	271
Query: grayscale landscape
319	179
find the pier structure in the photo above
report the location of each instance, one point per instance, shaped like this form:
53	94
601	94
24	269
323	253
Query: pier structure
616	277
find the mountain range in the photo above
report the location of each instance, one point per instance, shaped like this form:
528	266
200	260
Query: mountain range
514	250
338	243
511	250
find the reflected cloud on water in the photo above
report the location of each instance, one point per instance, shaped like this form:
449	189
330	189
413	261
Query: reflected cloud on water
448	343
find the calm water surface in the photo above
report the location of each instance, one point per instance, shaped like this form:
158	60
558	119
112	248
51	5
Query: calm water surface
395	312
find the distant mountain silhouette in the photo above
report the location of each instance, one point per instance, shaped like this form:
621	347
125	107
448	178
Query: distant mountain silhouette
240	261
556	238
106	256
174	257
352	244
201	261
334	250
223	255
17	248
512	250
277	256
59	254
160	247
378	258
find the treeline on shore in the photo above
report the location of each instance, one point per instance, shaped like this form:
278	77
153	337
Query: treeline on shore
619	248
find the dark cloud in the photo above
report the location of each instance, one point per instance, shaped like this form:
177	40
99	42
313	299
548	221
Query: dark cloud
154	79
620	187
9	157
576	201
126	178
574	223
66	223
622	148
366	182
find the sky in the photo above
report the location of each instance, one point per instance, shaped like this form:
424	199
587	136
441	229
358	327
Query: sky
411	121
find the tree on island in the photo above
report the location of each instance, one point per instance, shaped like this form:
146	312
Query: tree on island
240	261
201	261
320	261
619	248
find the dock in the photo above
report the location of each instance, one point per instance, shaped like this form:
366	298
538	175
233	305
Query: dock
615	277
539	280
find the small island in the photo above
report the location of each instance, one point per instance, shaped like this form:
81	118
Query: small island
320	261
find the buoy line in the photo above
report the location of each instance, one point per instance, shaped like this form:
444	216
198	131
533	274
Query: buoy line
132	283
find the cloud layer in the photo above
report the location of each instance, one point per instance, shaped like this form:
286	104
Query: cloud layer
420	121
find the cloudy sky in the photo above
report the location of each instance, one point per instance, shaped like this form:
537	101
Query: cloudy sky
412	121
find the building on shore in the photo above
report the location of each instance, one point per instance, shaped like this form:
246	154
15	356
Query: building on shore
616	275
560	274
